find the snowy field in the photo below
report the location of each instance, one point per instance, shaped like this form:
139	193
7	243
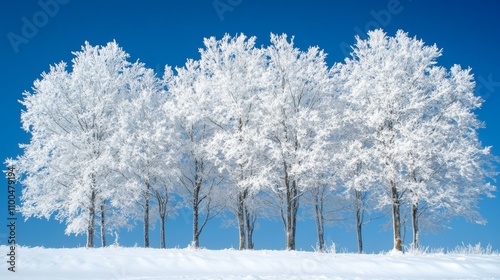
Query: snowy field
143	264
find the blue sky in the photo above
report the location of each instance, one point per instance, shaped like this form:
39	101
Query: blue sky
35	35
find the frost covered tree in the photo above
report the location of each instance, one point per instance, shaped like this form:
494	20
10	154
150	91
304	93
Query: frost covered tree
233	70
391	88
325	204
147	160
387	130
356	192
199	178
447	167
354	168
293	118
384	80
71	117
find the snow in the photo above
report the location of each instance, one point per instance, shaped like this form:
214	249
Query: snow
143	264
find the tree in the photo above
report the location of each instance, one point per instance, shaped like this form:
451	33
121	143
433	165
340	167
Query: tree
393	90
111	142
356	173
447	164
146	154
325	203
199	178
383	86
162	194
234	69
66	169
298	83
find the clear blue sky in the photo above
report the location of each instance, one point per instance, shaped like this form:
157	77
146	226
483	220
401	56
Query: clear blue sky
169	32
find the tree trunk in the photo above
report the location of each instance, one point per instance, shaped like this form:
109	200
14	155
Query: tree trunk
103	228
414	216
196	234
396	217
242	195
162	212
318	216
250	219
359	219
292	205
288	225
359	226
241	218
250	244
321	240
198	181
146	216
162	232
91	222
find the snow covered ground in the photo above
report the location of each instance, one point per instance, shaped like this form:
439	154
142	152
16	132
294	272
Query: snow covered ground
140	263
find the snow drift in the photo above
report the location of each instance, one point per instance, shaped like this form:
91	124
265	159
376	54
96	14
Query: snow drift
141	263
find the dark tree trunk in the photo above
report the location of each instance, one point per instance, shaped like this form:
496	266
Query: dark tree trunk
396	217
359	232
292	205
162	211
318	216
242	195
292	196
321	234
91	222
250	220
196	233
241	219
414	216
103	226
146	216
359	208
162	232
196	203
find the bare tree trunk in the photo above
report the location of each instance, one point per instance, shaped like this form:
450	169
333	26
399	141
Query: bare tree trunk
321	235
196	202
162	202
241	218
103	228
146	216
396	217
318	216
292	205
359	208
196	234
414	215
288	224
242	194
416	233
162	232
91	222
359	225
162	208
250	220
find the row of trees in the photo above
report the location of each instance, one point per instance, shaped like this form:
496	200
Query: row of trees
253	131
